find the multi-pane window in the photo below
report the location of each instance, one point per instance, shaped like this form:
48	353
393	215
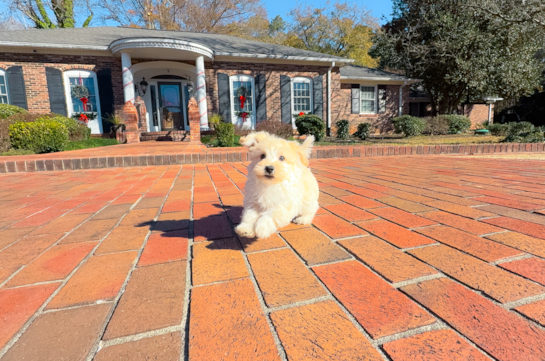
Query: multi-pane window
4	98
368	99
77	104
301	94
248	103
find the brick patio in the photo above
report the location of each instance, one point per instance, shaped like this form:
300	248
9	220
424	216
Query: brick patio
410	258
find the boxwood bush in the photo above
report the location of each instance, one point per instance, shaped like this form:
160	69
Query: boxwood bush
409	125
457	123
343	129
523	132
43	136
225	133
438	125
310	125
7	110
498	129
277	128
363	131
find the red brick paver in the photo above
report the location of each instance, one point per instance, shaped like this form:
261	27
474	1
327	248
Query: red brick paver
418	258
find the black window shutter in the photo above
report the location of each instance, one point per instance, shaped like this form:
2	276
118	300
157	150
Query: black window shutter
318	96
285	98
261	97
105	91
355	98
55	87
224	97
16	87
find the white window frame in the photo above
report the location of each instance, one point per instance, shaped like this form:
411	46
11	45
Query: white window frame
301	79
234	119
375	111
3	73
94	124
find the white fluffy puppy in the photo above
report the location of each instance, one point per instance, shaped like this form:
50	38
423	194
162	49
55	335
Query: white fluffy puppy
280	187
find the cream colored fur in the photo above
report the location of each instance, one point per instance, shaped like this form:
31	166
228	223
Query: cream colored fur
291	194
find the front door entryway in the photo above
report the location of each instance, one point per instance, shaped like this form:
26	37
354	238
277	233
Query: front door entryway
170	106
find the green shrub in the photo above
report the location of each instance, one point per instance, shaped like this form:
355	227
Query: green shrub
310	125
457	123
343	129
363	131
409	125
7	110
43	136
77	130
498	129
215	119
226	134
277	128
523	132
438	125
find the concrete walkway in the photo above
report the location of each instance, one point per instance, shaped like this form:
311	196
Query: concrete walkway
410	258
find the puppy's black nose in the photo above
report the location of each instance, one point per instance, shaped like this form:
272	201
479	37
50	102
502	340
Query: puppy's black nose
269	169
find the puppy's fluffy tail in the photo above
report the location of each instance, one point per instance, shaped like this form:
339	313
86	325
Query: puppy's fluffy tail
307	145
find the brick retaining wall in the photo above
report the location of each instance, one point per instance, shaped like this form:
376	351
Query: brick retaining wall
227	155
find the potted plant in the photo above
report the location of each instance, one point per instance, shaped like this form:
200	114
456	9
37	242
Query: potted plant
117	125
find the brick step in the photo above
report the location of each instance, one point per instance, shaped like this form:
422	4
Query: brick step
168	135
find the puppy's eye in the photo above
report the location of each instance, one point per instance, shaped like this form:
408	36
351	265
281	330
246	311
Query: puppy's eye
263	156
282	158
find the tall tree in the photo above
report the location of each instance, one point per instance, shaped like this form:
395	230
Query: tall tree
342	29
456	51
39	12
187	15
513	11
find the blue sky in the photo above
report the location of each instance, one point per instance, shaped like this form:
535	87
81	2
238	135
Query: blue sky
379	8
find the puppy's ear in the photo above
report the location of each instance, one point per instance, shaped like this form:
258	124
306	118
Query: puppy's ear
304	150
252	139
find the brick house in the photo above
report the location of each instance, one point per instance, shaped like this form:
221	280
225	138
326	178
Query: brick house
41	69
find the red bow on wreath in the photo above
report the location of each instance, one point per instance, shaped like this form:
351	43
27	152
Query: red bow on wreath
242	99
244	116
301	114
84	100
84	118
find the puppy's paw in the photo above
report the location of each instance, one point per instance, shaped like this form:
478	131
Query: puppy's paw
265	227
244	230
306	219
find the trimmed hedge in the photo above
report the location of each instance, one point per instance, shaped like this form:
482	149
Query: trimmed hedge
409	125
457	123
310	125
498	129
343	129
363	131
7	110
42	136
523	132
436	125
225	133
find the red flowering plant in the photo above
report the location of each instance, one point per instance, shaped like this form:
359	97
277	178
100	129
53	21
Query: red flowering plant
300	114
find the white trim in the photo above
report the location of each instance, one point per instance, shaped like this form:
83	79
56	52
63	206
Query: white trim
95	124
381	79
375	101
301	79
165	43
286	57
3	73
234	119
52	45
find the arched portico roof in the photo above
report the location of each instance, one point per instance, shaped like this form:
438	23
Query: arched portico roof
146	47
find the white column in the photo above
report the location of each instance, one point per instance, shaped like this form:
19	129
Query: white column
201	93
128	85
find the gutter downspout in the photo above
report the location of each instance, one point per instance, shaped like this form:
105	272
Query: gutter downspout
401	98
329	97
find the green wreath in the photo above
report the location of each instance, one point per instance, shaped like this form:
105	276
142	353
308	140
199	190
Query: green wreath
80	91
242	91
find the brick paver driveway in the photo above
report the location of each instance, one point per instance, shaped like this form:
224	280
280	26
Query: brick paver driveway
410	258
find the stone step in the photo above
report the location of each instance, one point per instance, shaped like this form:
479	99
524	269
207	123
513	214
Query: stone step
168	135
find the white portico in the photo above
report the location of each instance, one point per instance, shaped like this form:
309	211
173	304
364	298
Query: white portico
169	82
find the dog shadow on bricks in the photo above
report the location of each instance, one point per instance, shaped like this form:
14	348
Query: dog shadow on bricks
216	229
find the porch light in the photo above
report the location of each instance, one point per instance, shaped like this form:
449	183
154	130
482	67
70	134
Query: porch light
190	89
143	87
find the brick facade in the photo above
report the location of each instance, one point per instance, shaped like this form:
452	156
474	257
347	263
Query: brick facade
34	65
38	99
478	113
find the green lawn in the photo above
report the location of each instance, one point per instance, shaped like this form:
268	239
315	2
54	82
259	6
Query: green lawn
90	143
80	144
423	140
